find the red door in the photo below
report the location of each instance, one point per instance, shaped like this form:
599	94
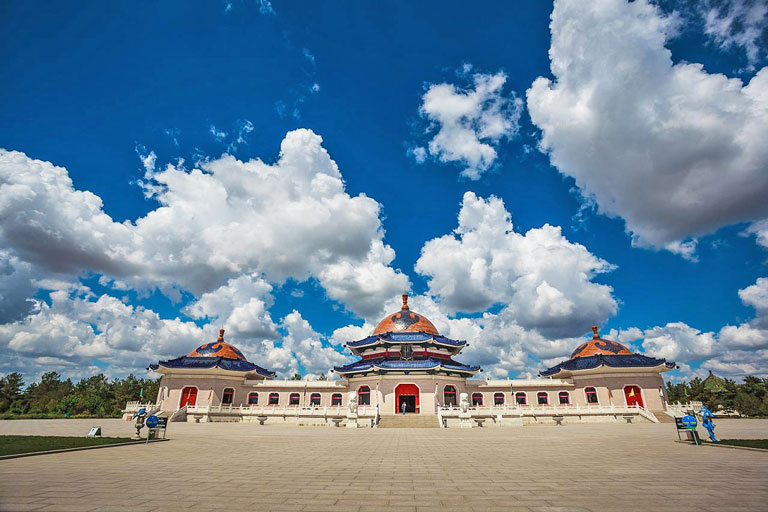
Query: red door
188	396
407	395
633	395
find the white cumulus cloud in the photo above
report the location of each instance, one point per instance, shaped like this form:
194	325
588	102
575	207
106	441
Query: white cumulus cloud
675	151
544	280
467	124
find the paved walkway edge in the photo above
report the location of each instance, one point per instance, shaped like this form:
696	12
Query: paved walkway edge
79	448
726	446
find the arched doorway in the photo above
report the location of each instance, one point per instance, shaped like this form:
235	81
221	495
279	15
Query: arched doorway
449	396
408	395
633	395
188	396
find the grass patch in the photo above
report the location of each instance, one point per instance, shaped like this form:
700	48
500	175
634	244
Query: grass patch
748	443
51	416
13	445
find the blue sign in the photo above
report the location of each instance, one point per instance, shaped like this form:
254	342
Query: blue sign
689	422
153	420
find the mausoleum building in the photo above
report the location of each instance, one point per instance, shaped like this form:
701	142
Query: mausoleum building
407	372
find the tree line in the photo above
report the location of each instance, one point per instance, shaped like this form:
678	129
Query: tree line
749	398
53	397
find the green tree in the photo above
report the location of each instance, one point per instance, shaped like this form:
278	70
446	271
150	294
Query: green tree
322	377
749	405
296	376
11	392
43	397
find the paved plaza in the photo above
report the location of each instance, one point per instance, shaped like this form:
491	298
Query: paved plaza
610	467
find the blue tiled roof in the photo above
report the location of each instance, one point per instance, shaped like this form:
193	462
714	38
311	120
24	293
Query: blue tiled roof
202	363
399	364
401	337
614	361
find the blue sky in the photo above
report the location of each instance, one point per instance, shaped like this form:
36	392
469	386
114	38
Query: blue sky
638	137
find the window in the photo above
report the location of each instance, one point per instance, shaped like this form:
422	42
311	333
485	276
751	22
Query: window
274	398
449	396
294	399
542	398
336	399
364	395
314	399
228	396
521	398
477	399
564	397
591	395
498	399
253	398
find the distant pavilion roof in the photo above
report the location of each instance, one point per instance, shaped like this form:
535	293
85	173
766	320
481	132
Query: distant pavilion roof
205	363
218	354
612	361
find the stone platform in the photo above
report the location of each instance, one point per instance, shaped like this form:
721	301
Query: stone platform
576	468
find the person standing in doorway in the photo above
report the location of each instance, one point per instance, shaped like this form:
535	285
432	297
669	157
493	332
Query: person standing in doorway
402	407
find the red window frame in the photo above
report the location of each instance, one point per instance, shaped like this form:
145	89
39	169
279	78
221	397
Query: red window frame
253	398
336	399
544	395
228	396
274	399
364	395
477	399
498	399
314	399
523	395
591	392
294	399
567	396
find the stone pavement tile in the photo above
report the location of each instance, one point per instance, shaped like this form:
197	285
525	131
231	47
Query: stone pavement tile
82	507
379	508
20	507
549	508
330	508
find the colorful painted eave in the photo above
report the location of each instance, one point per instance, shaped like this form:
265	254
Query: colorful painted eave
405	337
628	361
207	363
397	365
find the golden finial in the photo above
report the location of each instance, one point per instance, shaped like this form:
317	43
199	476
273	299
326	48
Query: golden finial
595	335
405	301
221	334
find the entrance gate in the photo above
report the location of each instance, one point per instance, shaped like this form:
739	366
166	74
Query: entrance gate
407	394
633	395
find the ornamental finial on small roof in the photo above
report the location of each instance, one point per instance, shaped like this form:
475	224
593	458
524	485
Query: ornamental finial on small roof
221	334
405	301
595	335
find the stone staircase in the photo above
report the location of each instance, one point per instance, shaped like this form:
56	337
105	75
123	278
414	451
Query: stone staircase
408	421
663	417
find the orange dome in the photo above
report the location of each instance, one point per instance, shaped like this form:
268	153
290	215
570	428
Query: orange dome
405	320
218	349
597	345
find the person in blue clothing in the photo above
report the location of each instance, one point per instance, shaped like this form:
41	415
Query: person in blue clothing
706	422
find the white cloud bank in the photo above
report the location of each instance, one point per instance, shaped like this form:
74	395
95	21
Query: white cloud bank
468	124
225	232
227	218
675	151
